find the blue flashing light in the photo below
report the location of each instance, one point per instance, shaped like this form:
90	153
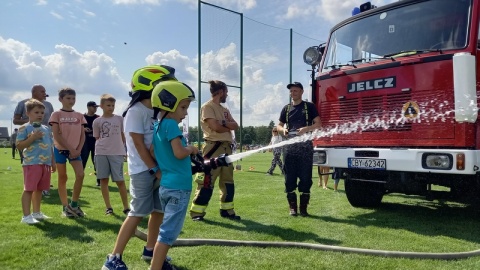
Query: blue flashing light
355	11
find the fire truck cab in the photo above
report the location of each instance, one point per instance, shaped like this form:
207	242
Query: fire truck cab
397	90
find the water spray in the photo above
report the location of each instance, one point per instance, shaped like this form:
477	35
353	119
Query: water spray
368	122
429	113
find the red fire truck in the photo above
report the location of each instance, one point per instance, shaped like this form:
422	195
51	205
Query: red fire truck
397	90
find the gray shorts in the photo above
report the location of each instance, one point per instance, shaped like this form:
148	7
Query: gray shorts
109	165
144	194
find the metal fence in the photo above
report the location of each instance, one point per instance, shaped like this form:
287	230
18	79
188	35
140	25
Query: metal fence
254	59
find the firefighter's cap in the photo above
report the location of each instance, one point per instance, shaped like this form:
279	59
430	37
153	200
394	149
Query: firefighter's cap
297	84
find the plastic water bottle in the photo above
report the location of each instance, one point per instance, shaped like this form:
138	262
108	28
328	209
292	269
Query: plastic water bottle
36	125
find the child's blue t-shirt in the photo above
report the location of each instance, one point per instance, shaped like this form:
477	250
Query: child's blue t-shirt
176	173
40	151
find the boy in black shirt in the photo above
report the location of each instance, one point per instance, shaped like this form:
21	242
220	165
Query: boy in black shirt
89	145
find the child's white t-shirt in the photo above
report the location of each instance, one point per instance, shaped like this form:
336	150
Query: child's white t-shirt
138	120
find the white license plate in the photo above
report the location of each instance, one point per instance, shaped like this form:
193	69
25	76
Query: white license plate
367	163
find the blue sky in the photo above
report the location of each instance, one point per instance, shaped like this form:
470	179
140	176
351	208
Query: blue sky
94	47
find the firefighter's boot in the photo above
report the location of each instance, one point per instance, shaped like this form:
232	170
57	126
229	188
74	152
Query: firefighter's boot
292	202
229	214
304	200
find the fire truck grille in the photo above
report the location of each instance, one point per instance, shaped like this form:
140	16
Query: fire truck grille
383	110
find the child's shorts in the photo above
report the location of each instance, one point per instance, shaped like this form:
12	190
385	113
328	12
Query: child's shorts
107	165
36	177
61	156
174	205
144	194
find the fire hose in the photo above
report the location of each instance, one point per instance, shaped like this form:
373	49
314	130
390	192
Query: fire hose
272	244
200	165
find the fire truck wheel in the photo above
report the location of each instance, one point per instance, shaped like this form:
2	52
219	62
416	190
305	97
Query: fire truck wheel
364	194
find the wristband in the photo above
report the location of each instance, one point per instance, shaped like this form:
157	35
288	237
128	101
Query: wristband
153	170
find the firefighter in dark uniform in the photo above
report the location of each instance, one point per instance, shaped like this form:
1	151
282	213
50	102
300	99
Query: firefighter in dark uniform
297	118
217	124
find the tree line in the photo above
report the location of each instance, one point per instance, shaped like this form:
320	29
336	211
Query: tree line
259	135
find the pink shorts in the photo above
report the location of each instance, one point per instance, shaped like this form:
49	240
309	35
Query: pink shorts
36	177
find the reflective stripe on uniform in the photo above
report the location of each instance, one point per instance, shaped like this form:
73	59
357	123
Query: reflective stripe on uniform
226	205
198	208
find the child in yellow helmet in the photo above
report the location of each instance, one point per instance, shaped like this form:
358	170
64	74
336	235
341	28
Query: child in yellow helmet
143	169
172	153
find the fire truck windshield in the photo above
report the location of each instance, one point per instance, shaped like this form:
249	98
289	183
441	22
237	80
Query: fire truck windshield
415	27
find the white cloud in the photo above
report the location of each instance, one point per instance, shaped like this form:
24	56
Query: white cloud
262	101
221	65
262	58
333	11
336	11
269	106
239	5
41	2
253	76
56	15
184	70
295	11
90	73
89	13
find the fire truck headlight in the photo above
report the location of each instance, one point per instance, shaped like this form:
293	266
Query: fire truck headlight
437	161
312	56
319	157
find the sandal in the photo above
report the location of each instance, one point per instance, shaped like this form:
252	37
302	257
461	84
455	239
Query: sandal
109	211
126	211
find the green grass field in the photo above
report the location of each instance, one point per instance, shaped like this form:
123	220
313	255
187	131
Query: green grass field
402	223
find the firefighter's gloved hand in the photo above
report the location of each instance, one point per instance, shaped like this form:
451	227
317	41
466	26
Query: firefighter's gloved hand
196	169
197	163
213	163
221	161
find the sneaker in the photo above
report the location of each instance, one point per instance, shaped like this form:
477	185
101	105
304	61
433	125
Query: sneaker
40	216
109	211
46	193
29	220
199	218
69	212
78	211
168	266
114	263
147	255
269	174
